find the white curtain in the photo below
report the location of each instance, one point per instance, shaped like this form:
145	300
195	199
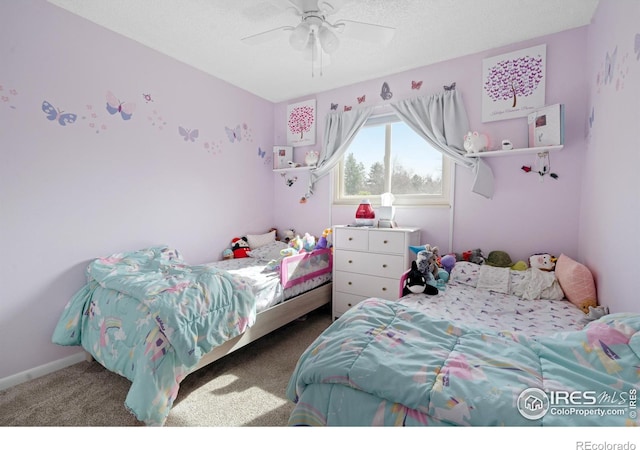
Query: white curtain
441	120
339	131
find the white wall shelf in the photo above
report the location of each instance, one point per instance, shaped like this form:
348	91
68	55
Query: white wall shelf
515	151
294	169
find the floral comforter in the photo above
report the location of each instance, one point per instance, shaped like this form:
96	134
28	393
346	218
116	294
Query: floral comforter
150	317
385	363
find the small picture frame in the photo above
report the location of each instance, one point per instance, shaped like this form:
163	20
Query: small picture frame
281	156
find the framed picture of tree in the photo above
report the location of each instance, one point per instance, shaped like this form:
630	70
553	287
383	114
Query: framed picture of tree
301	123
513	84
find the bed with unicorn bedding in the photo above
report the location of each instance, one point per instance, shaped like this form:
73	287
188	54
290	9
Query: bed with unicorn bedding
152	318
385	363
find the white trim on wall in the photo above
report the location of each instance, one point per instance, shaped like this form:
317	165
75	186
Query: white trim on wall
37	372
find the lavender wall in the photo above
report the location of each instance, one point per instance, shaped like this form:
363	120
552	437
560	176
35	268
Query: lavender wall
103	184
525	215
610	206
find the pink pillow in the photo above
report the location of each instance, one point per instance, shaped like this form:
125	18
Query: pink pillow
576	282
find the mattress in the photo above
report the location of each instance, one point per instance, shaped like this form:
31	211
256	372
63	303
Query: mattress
489	310
265	282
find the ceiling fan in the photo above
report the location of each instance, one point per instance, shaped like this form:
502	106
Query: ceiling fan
315	34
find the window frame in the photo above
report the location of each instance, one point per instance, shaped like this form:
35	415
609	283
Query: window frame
443	199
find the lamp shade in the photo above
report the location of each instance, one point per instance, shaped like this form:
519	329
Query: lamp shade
300	36
328	40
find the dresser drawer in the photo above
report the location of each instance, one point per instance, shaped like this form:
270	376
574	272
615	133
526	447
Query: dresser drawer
351	238
387	242
390	266
342	302
365	285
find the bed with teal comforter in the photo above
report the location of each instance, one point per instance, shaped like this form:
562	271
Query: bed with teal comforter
385	363
150	317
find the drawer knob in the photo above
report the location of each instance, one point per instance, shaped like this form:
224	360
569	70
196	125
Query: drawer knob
350	261
384	289
349	283
385	241
349	305
384	266
351	239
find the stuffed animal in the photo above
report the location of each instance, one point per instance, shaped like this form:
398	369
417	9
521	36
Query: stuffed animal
448	261
475	256
240	247
595	313
426	262
416	283
288	234
322	242
542	261
227	253
308	242
475	142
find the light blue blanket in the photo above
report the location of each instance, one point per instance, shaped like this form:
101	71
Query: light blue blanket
384	363
150	317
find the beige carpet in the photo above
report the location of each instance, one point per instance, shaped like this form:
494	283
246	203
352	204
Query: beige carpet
245	388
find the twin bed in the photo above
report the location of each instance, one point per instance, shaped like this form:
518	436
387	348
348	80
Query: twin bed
472	356
152	318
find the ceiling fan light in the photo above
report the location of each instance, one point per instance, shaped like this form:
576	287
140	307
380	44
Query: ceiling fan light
328	40
300	36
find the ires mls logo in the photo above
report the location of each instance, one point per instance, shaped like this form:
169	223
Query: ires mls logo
534	403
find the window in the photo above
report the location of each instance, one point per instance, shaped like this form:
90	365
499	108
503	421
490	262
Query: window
388	156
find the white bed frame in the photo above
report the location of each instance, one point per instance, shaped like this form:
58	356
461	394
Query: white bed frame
270	320
267	321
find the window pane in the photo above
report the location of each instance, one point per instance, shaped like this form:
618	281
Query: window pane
364	163
417	168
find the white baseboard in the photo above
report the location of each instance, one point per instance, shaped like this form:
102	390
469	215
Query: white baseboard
36	372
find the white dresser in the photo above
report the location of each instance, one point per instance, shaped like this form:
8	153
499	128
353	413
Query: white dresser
368	262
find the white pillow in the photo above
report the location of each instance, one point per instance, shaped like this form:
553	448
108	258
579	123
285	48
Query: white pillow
465	272
259	240
269	251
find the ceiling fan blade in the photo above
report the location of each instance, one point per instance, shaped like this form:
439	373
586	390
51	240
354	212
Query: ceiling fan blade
369	32
330	6
265	36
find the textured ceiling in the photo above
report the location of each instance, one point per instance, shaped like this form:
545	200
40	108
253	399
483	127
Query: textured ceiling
206	34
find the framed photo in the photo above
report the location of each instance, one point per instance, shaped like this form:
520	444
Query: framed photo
546	126
301	123
281	156
513	84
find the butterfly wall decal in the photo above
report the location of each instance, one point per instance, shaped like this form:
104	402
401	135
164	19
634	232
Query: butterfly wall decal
609	66
591	118
55	114
115	106
334	106
362	99
234	134
261	152
451	87
188	135
637	46
347	108
416	84
386	93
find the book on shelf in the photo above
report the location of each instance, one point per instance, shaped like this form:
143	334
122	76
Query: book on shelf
546	126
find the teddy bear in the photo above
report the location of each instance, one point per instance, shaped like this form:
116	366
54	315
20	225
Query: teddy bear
416	283
240	247
288	235
475	142
594	313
